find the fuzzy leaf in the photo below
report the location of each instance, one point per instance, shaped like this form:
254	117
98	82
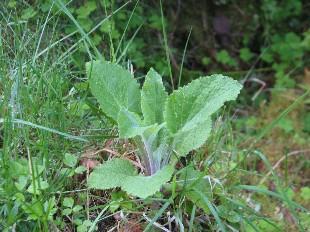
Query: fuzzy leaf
198	100
70	160
114	88
188	109
111	174
187	140
153	98
121	173
144	186
129	124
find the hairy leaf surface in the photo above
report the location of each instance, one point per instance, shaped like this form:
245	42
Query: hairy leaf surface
114	88
186	140
198	100
188	110
153	98
130	124
121	173
111	174
144	186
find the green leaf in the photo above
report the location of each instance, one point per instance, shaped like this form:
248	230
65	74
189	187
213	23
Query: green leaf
84	227
245	54
153	98
187	140
28	13
50	208
193	181
12	4
286	124
196	198
77	208
66	212
224	58
107	26
119	169
229	214
70	160
34	209
21	182
86	24
40	184
68	202
80	169
144	186
213	210
85	10
129	124
199	100
206	61
189	108
114	88
192	178
125	176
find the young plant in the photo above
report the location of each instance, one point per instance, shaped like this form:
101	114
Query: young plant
163	127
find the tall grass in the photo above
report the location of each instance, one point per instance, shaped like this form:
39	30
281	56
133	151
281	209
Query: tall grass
39	122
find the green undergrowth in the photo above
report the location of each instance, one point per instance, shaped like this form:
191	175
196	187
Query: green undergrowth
53	133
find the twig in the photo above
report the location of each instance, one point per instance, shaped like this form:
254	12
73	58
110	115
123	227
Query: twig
262	83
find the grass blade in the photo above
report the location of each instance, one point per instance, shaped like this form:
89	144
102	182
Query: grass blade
157	215
166	44
66	135
183	57
92	227
213	210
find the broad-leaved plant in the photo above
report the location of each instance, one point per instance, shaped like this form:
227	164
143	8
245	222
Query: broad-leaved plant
162	126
